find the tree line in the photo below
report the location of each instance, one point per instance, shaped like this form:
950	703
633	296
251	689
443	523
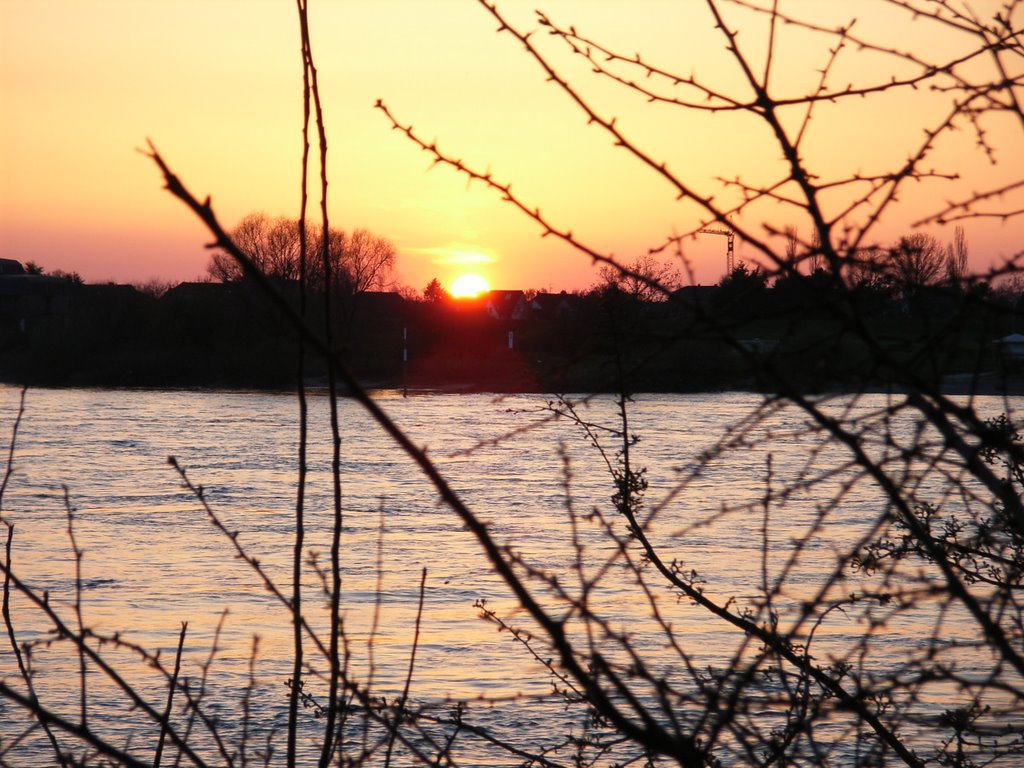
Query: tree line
639	326
917	260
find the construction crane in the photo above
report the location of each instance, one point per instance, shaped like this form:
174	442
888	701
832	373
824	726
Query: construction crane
730	260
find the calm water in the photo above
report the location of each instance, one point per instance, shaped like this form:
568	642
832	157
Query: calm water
153	560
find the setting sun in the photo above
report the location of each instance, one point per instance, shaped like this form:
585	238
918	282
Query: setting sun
468	286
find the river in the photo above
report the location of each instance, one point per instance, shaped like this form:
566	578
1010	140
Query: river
152	559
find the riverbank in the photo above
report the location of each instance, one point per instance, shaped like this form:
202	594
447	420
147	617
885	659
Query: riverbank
226	336
989	384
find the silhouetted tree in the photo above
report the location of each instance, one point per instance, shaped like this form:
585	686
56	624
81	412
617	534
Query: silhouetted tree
745	280
365	262
359	262
69	277
154	287
646	278
956	258
434	293
792	244
272	245
916	260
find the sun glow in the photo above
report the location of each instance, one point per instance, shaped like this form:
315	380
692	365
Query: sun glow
468	286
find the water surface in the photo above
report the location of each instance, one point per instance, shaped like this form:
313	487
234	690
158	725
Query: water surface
152	559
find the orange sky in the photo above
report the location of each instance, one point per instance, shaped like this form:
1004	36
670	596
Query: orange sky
215	85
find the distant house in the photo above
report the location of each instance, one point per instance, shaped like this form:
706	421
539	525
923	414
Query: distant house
200	292
507	305
554	304
11	267
695	297
236	294
26	299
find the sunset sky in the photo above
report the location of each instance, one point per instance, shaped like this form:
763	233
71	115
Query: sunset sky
215	84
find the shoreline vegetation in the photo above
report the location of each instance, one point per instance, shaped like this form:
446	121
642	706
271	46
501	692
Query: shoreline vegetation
57	333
